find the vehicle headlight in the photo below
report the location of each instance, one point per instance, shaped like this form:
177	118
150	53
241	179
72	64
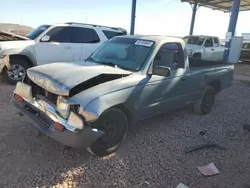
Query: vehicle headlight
190	52
62	107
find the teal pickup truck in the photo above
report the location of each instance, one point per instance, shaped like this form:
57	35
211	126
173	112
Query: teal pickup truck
90	104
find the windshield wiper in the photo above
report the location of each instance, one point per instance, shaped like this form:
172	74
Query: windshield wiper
103	63
116	66
109	64
113	65
91	59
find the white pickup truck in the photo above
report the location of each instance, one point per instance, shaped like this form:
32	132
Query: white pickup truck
66	42
204	47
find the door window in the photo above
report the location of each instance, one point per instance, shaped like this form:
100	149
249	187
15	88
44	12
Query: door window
73	35
216	42
83	35
209	42
59	34
170	55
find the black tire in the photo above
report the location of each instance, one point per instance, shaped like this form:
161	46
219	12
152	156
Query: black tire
206	103
197	56
19	67
115	125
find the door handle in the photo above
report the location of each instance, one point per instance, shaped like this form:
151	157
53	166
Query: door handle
67	47
212	49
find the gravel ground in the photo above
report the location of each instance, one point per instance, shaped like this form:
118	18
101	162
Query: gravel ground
151	156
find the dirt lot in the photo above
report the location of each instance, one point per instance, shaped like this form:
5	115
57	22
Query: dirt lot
153	154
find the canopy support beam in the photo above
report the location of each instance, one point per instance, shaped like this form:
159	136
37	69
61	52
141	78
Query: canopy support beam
231	27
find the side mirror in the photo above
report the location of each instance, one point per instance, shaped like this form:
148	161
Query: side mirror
161	71
45	38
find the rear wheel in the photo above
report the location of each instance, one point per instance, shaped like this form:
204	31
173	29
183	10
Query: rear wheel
114	124
206	103
17	72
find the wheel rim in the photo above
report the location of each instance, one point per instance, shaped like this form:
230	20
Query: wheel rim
17	72
111	129
208	102
114	124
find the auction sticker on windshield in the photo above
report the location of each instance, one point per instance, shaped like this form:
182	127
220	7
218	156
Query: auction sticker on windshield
144	43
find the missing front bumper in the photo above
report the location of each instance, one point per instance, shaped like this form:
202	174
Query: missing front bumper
44	123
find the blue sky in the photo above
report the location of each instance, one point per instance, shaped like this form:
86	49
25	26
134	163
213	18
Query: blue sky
163	17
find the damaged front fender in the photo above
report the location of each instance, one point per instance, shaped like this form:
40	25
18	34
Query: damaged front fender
96	107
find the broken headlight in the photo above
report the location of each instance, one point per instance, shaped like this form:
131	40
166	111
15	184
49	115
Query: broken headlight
75	121
62	107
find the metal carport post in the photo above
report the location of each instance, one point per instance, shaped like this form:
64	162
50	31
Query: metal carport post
221	5
193	17
232	26
132	23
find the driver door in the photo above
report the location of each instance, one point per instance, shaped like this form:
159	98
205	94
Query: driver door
209	49
58	49
164	93
217	53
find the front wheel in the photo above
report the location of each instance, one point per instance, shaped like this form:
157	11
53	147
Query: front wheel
205	104
114	124
17	72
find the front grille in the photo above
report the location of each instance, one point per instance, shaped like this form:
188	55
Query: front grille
39	114
37	90
43	118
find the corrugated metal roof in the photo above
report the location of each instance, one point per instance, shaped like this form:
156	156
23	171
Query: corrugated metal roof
221	5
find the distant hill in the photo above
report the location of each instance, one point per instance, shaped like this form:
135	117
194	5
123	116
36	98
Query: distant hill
15	28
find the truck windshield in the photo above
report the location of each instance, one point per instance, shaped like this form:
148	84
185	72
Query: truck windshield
36	32
126	53
197	40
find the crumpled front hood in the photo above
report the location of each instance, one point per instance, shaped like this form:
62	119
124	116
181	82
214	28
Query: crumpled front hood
60	78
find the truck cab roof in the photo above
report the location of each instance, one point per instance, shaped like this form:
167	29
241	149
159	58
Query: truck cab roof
205	36
158	39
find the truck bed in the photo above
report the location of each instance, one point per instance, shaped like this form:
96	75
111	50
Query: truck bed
194	63
217	73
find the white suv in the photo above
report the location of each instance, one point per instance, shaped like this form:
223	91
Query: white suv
52	43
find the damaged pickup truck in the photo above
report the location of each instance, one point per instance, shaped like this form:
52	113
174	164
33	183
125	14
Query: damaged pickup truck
129	78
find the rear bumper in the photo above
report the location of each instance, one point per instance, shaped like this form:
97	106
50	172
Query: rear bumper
82	139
